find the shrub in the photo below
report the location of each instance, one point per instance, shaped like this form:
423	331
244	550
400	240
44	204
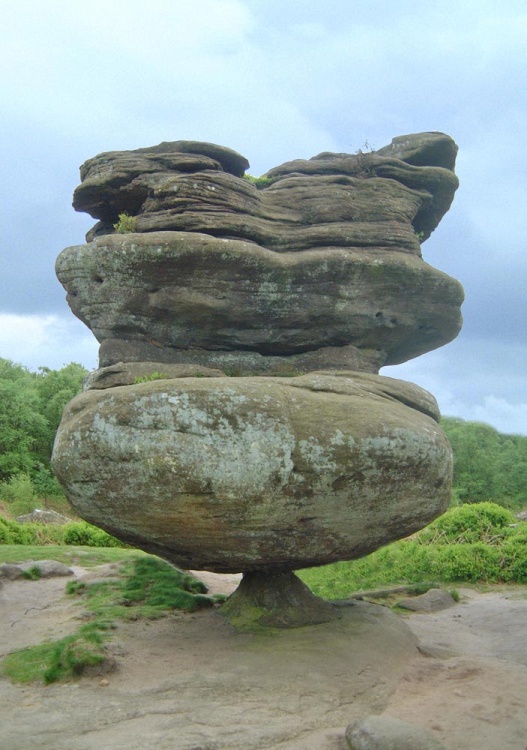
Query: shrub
19	494
472	543
469	524
126	224
469	562
12	532
82	534
6	536
258	182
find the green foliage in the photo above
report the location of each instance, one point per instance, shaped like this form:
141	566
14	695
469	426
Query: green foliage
32	574
259	182
481	522
151	377
18	492
22	426
150	588
31	405
471	543
55	389
155	583
126	224
488	465
60	660
76	533
12	532
80	533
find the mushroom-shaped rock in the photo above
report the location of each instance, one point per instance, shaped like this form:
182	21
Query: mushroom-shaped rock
246	474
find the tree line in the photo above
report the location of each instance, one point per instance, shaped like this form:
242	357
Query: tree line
31	405
488	465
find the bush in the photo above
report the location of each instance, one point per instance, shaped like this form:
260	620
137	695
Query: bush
12	532
472	543
79	533
82	534
19	494
469	524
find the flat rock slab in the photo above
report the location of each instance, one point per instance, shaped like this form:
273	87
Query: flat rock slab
190	682
474	700
432	601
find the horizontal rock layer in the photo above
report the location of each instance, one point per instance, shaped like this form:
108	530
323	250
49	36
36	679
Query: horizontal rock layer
181	291
378	199
234	474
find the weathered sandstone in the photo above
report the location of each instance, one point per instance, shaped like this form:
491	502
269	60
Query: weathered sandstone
189	294
236	474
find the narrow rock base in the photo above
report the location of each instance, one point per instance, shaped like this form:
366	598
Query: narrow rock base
275	599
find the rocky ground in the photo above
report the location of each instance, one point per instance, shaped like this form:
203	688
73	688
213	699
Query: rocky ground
190	682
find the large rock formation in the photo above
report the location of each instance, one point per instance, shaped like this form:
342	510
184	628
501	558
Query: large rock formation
321	267
236	474
314	269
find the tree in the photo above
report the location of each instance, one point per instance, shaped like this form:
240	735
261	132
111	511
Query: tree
488	465
31	407
22	427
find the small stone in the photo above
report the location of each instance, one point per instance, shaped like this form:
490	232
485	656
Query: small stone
104	682
386	733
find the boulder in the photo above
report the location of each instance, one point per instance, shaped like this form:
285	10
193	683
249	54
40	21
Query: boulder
44	516
189	297
386	733
243	474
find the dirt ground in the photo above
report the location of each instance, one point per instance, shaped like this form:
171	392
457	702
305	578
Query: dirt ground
190	682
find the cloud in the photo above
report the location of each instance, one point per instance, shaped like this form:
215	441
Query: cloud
46	341
275	81
476	379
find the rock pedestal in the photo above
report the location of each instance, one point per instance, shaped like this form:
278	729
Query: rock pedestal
237	421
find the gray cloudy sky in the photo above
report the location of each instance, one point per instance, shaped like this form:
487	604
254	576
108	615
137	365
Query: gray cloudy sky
275	80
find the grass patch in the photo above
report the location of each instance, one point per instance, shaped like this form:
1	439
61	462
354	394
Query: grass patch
77	533
148	589
50	662
474	544
87	557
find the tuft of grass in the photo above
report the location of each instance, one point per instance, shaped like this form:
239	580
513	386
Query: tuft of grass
150	588
32	574
126	224
50	662
154	583
151	377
